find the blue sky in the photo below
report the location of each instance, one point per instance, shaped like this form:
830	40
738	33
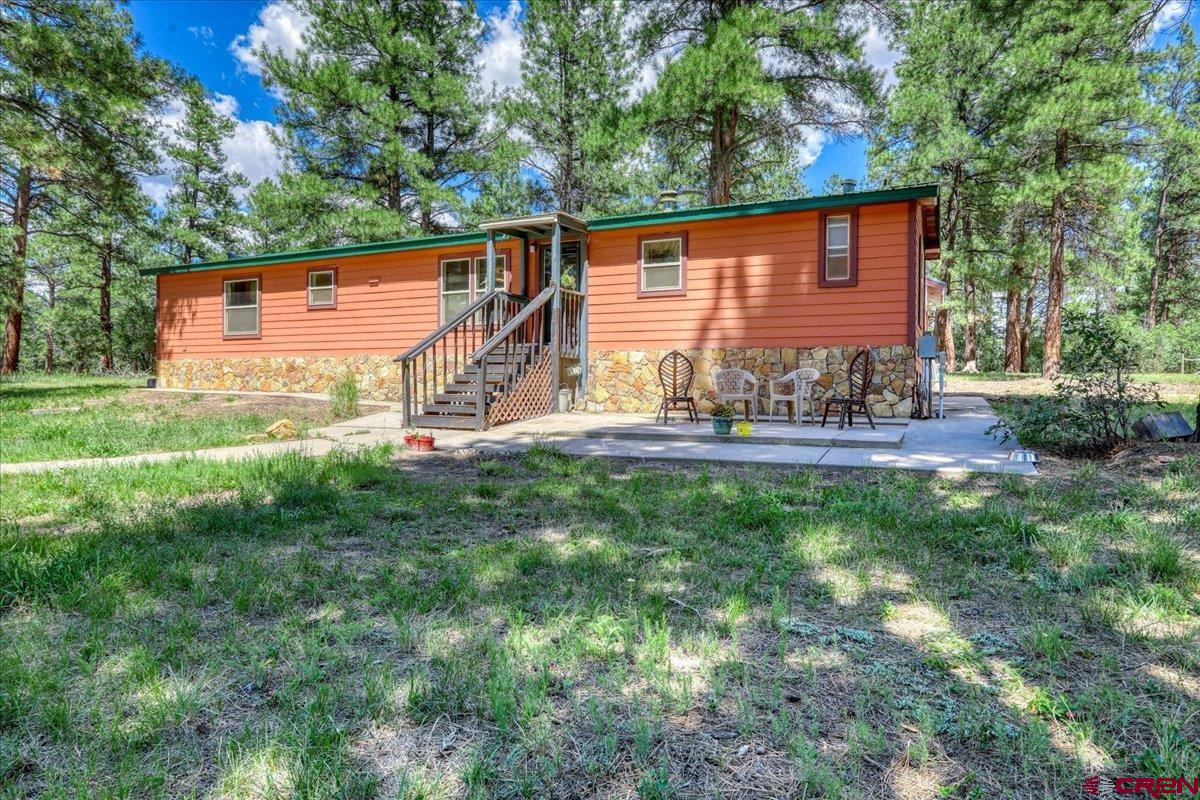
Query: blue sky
213	39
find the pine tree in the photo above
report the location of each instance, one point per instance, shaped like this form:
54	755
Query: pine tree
750	78
380	104
75	94
575	78
202	217
942	119
1173	193
1074	94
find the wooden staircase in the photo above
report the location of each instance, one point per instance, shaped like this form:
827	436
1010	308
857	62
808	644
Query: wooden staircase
497	361
457	404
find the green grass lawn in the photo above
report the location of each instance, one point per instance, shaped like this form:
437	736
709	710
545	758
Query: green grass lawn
64	416
547	626
1178	392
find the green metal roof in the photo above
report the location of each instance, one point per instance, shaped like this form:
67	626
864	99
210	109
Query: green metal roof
599	224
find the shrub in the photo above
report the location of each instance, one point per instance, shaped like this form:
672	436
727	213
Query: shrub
1091	412
343	395
724	411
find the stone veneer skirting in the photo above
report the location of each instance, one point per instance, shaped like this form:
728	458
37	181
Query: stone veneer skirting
618	380
627	380
378	376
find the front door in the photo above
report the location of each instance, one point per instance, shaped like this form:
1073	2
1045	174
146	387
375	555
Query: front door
570	272
570	265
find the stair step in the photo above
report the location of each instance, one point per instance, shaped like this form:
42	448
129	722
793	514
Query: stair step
439	421
450	407
458	397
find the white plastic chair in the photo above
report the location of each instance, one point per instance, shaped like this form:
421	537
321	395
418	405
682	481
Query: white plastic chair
793	388
732	385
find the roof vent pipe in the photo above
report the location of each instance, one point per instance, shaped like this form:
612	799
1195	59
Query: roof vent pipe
668	200
848	185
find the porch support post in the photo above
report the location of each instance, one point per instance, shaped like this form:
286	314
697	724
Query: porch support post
555	313
584	241
491	260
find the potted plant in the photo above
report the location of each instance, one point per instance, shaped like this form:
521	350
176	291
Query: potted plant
722	418
410	438
424	442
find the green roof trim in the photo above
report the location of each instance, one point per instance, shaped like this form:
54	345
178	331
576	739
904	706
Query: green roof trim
699	214
320	254
767	207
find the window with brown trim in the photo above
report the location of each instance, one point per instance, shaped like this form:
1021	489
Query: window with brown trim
837	248
241	307
662	264
322	288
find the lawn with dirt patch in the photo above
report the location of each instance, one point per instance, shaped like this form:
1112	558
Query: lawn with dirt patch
61	416
1178	392
549	626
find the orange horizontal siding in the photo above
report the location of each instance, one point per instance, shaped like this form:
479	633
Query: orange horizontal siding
750	282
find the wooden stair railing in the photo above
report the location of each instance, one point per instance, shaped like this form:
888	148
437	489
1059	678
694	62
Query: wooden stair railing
515	377
438	361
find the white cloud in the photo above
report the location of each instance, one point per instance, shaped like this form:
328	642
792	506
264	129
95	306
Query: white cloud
500	57
281	26
1171	13
249	149
203	33
878	52
814	141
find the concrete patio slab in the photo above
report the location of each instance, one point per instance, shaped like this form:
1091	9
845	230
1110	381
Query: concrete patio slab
956	445
769	433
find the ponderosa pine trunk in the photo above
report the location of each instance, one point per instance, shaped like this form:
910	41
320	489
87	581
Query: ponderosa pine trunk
1160	226
970	331
1027	322
942	324
15	318
720	157
106	326
1012	318
1052	357
48	333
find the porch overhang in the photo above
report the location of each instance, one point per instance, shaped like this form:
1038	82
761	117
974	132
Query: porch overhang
539	226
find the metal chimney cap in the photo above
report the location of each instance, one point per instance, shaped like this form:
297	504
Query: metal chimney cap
849	185
668	199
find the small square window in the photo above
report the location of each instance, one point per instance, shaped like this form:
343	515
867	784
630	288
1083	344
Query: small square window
322	288
662	264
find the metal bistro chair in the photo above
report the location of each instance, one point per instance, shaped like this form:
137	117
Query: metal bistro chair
862	371
733	385
794	389
675	373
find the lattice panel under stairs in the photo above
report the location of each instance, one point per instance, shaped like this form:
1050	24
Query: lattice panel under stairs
531	397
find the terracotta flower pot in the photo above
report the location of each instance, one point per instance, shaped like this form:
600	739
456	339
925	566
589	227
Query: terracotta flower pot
424	444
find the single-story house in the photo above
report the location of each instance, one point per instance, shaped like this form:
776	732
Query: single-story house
473	329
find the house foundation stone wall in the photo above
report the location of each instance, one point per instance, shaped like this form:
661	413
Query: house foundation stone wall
627	380
378	376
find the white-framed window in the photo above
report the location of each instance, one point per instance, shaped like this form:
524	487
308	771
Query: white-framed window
241	301
662	264
837	248
322	287
481	273
464	280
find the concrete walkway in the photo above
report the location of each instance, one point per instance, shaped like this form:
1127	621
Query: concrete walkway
955	445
